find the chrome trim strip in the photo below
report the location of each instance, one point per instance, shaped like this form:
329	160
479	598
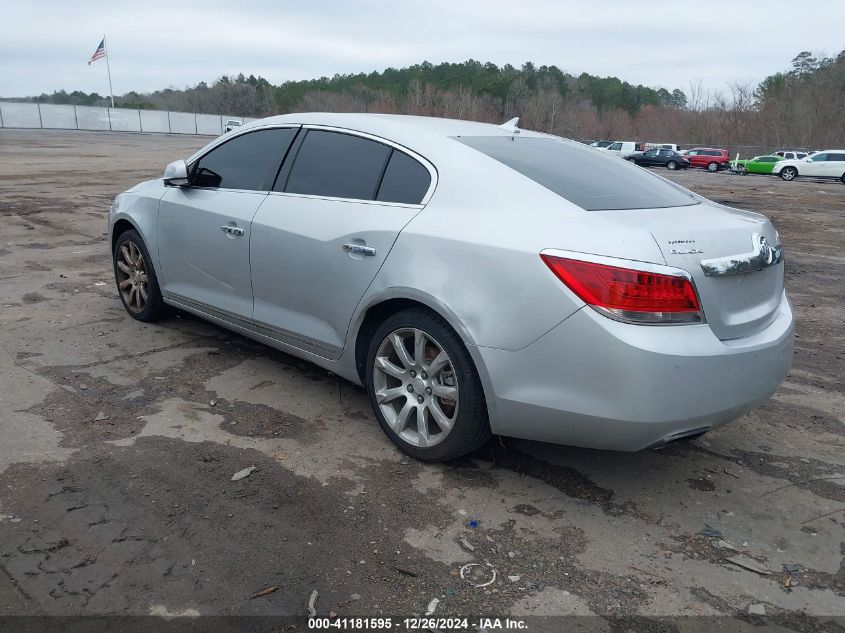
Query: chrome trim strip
761	256
633	264
280	335
293	339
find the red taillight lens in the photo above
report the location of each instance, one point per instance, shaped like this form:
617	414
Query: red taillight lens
631	295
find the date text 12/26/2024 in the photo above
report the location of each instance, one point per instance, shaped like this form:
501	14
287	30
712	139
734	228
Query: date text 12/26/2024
417	624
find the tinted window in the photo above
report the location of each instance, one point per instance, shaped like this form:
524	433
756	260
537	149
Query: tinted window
615	146
592	181
337	165
836	157
800	155
249	161
405	180
767	159
817	158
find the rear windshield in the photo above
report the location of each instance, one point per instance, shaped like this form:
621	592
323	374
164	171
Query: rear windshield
586	177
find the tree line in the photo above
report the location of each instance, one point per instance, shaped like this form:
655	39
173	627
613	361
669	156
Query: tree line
803	106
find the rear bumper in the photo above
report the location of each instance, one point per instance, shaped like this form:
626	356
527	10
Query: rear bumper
598	383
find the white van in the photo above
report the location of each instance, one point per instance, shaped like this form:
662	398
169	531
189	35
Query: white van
623	149
672	146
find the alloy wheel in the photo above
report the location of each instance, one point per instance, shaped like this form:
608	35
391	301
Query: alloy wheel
672	165
132	278
416	387
788	173
713	167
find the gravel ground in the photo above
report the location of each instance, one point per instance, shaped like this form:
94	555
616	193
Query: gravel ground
119	440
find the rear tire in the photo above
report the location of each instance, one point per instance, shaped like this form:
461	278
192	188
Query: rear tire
672	165
403	351
789	173
137	282
712	167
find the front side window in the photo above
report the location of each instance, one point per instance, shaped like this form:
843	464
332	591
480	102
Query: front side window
819	158
615	146
405	180
337	165
249	161
588	179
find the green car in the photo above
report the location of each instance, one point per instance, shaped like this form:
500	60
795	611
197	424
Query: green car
756	165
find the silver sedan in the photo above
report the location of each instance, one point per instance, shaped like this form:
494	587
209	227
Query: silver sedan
477	279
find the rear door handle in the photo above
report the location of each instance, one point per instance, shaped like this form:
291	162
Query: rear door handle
231	230
359	249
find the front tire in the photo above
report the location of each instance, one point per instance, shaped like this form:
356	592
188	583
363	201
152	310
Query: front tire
789	173
137	283
424	388
712	167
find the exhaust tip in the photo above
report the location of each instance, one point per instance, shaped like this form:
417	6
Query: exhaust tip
684	436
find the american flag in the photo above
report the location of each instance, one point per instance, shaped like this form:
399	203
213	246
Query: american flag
99	53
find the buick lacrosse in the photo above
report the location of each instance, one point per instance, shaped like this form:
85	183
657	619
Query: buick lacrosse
477	279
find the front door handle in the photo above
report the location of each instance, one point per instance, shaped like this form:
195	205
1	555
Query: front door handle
231	230
358	249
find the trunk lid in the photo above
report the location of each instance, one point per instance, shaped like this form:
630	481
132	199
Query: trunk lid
735	305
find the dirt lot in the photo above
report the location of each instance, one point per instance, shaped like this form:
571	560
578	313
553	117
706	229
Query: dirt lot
119	441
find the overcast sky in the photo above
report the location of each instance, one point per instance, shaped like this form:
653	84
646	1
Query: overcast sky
45	44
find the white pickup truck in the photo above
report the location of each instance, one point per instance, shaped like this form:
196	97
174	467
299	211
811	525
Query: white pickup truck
623	149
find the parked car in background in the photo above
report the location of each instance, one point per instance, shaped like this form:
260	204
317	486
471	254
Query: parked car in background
828	163
659	158
710	158
792	154
353	240
623	149
601	144
232	124
756	165
672	146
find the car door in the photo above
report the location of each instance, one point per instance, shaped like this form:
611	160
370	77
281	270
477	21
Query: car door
694	158
320	238
204	228
648	158
816	165
835	165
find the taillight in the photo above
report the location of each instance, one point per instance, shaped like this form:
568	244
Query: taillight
638	296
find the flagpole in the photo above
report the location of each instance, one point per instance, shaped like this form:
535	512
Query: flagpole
108	69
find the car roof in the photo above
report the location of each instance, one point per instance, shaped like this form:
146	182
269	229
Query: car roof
387	124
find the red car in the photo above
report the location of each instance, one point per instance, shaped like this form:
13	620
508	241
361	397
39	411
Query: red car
707	157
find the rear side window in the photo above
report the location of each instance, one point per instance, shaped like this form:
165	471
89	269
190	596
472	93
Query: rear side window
337	165
405	180
836	157
249	161
591	180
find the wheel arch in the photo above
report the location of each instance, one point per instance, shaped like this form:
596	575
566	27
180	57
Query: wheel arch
119	228
379	309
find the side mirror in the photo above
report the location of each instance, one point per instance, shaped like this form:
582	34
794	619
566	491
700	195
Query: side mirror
176	174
